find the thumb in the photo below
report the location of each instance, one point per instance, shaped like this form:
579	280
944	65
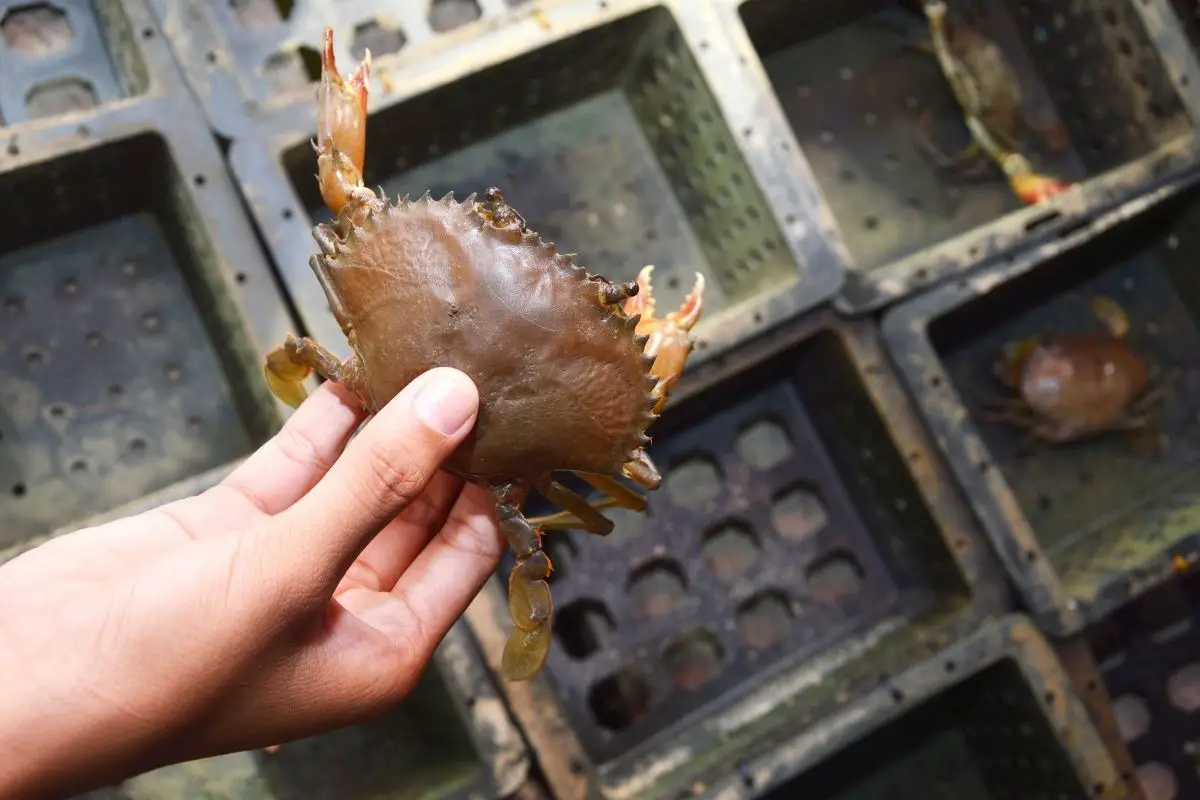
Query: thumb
383	469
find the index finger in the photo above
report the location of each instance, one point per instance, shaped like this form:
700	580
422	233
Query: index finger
381	472
285	468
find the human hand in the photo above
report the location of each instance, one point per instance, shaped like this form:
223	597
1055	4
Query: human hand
306	591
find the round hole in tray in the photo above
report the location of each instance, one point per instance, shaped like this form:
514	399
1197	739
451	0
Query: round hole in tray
78	466
619	700
834	577
137	446
1158	781
657	588
797	512
764	620
730	550
693	659
116	390
1183	688
694	480
764	443
1132	715
199	179
57	411
18	490
584	627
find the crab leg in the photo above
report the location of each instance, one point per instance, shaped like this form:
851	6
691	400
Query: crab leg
529	601
593	521
288	365
341	129
615	495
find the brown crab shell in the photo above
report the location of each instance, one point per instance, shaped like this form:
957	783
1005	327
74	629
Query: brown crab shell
563	381
1087	380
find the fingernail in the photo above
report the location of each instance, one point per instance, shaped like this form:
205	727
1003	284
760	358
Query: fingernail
447	403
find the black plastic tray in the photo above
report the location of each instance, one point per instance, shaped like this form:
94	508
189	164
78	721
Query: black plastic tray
1081	527
847	84
1149	657
797	532
993	717
613	145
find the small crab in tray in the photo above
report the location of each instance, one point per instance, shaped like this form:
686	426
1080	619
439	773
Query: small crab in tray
989	94
571	368
1079	386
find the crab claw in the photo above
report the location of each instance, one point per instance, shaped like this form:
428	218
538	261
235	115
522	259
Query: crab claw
1033	188
341	125
667	342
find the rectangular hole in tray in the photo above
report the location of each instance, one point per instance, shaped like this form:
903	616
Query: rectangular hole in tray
1102	505
857	93
786	523
419	750
66	56
1149	653
122	368
985	739
609	143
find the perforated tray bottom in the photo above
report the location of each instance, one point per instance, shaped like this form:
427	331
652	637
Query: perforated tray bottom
54	60
1149	656
855	97
586	179
751	552
109	385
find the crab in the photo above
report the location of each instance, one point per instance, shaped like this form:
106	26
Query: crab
989	93
571	368
1076	387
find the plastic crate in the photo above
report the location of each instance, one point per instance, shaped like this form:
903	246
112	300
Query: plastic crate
603	132
802	529
1148	656
132	333
850	87
1082	527
244	55
993	717
65	58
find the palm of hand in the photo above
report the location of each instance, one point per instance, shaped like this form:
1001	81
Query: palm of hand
288	599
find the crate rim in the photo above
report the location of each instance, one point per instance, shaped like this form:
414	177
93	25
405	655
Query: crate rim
1012	637
868	292
905	332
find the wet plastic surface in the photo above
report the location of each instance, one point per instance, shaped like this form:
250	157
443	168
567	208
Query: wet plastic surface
612	147
59	57
786	525
974	741
1149	653
858	92
1099	507
113	381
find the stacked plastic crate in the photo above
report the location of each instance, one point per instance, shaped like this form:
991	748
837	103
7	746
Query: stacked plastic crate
853	583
